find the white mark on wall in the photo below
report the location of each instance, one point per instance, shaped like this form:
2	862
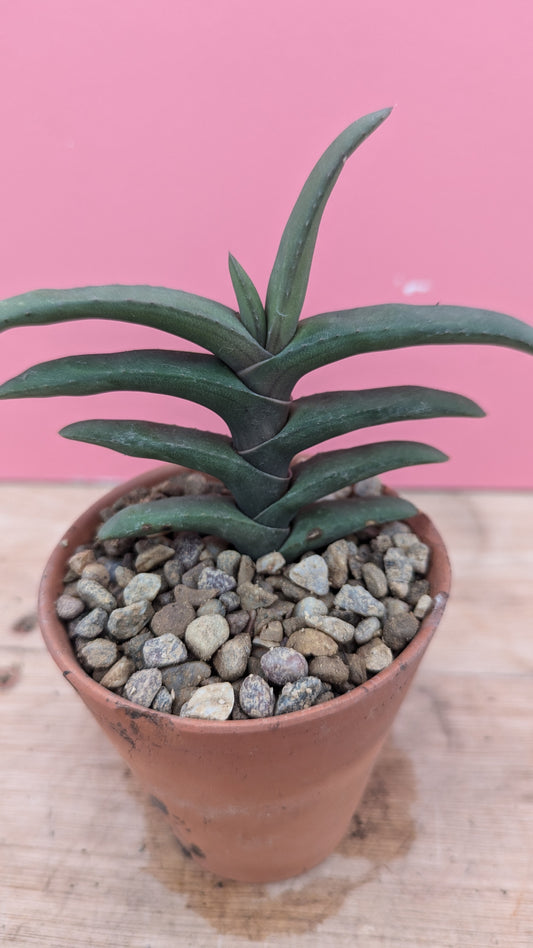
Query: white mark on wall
415	285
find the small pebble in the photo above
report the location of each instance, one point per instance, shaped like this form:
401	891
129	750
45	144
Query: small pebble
79	561
142	686
423	606
142	586
164	650
153	557
126	622
69	607
256	697
375	580
399	630
298	695
96	596
343	632
205	635
211	578
99	653
312	642
329	668
367	629
398	570
118	674
253	596
281	665
311	573
231	659
91	625
376	655
310	606
174	618
210	703
162	700
271	563
357	599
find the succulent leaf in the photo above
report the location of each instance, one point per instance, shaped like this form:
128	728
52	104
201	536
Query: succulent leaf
316	418
208	514
322	523
328	337
211	453
200	378
331	470
290	273
251	309
203	321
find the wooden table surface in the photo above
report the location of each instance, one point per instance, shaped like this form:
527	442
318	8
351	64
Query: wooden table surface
440	853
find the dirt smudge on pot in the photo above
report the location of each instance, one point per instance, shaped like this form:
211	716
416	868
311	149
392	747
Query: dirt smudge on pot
382	831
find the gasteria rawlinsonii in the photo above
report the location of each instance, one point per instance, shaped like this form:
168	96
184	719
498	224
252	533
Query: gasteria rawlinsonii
258	354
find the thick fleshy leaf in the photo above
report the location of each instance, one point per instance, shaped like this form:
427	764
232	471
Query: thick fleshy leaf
329	337
212	453
251	309
208	514
203	321
322	523
200	378
290	273
316	418
328	472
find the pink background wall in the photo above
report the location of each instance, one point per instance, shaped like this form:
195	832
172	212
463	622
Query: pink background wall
143	139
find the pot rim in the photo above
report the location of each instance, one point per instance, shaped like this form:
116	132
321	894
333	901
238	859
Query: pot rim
58	643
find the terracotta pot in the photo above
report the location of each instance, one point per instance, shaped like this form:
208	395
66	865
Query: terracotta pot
255	800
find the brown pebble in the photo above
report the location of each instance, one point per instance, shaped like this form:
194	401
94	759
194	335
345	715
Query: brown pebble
312	642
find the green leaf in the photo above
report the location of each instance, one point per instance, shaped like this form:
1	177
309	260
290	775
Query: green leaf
316	418
329	337
290	273
203	321
200	378
322	523
251	309
212	453
208	514
331	470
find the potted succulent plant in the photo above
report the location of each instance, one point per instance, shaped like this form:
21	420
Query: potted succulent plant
269	792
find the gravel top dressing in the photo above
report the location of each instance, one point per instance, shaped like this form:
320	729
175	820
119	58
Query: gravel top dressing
186	625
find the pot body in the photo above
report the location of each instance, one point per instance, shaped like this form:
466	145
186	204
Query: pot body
256	800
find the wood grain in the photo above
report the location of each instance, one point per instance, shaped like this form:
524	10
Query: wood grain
440	853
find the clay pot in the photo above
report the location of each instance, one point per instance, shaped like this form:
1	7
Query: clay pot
255	800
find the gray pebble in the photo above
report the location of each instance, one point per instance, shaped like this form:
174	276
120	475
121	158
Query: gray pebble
91	625
143	586
271	563
311	573
357	599
96	596
118	674
336	557
399	571
69	607
330	669
256	697
375	580
423	606
253	596
310	606
399	630
231	659
376	655
164	650
211	578
281	665
298	695
153	557
99	653
205	635
210	703
213	607
367	629
343	632
229	561
230	601
237	621
142	686
181	677
126	622
162	700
